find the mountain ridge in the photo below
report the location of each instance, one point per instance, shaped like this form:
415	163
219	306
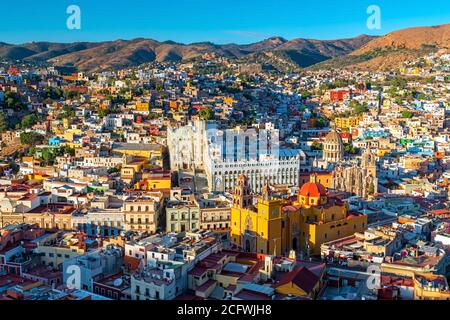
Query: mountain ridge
391	50
115	54
360	52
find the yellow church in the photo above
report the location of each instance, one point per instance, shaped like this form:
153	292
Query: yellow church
277	225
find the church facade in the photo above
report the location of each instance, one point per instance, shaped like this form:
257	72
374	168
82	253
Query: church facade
358	178
276	225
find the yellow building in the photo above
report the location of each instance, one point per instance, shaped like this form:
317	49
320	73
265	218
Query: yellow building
155	181
229	101
382	151
74	145
431	287
66	123
147	151
276	226
70	134
131	168
347	122
55	255
142	106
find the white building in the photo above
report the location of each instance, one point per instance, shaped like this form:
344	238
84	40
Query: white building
252	152
80	272
225	154
153	283
186	146
111	122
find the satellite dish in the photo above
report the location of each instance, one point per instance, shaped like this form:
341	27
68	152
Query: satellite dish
118	282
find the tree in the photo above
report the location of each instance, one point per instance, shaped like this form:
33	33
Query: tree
406	114
3	122
31	138
66	150
14	167
206	114
371	189
66	112
421	96
320	122
70	94
397	82
358	108
348	148
53	93
102	112
47	156
316	146
12	101
28	121
306	95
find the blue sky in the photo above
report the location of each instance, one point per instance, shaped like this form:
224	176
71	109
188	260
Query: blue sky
224	21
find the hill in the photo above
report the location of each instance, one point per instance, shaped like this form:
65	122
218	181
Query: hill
89	56
390	51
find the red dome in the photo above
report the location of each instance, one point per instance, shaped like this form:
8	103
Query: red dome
311	189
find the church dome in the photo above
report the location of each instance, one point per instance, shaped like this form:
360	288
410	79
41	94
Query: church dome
333	137
312	193
311	189
333	147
